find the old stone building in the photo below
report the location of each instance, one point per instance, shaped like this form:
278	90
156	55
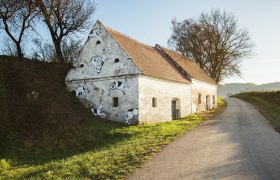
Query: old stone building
124	80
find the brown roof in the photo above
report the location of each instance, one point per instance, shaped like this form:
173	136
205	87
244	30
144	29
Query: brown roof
190	67
147	58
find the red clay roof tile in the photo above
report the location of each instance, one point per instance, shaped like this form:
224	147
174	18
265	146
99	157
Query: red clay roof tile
147	58
190	67
151	62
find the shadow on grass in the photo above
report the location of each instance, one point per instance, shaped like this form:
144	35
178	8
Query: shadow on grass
54	125
103	150
97	135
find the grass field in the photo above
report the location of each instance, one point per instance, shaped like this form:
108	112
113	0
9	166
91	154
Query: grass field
52	135
268	103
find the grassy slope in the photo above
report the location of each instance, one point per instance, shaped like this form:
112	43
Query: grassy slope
268	103
54	136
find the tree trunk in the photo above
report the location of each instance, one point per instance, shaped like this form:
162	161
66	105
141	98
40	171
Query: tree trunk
59	54
19	52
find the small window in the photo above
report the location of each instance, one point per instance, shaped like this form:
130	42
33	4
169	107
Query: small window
154	102
214	100
199	98
116	60
115	102
98	42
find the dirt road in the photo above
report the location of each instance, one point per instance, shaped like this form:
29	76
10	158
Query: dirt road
237	144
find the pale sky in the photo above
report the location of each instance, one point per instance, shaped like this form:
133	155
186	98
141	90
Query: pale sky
149	21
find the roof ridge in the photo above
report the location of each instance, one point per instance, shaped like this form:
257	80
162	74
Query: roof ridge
186	61
173	63
129	37
176	53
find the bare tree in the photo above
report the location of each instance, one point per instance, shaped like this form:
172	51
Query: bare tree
71	49
214	41
15	18
43	51
65	18
9	48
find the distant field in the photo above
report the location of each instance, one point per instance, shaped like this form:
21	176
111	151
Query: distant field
268	103
236	88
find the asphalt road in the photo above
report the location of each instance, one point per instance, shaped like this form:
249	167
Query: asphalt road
237	144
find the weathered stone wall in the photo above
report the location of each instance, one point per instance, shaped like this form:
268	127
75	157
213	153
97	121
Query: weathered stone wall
205	90
164	91
97	95
102	72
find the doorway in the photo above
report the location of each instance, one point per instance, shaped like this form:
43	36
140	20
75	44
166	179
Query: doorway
175	108
208	104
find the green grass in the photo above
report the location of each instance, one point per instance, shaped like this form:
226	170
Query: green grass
55	137
119	152
268	103
111	151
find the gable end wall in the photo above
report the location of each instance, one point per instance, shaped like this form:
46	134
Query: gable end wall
97	78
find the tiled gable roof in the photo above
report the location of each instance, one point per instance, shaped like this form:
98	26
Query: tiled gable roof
147	58
152	61
190	67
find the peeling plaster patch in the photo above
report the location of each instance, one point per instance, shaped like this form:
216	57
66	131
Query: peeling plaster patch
118	85
76	63
99	90
97	31
131	115
81	91
118	71
121	69
97	62
76	71
98	111
125	60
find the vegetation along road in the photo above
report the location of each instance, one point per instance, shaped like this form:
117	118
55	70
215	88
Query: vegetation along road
237	144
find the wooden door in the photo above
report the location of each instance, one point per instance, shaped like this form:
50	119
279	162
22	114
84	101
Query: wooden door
208	104
173	109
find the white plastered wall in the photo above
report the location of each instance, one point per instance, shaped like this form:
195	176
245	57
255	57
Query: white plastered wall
164	91
204	89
